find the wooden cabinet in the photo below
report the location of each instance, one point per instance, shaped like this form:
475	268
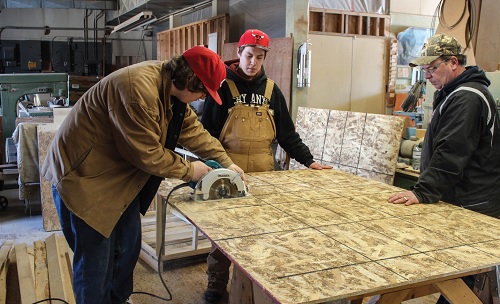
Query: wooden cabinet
348	73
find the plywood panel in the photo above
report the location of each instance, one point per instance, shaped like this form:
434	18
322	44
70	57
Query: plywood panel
360	143
50	219
278	63
348	245
488	37
451	13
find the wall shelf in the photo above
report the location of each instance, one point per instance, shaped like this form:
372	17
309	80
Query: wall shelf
348	23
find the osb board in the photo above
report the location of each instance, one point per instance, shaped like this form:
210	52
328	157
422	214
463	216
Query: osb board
363	144
49	213
278	63
309	236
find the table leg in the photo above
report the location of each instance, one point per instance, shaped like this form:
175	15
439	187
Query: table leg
457	292
394	297
241	288
243	291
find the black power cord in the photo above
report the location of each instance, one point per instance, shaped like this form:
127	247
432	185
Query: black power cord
162	248
162	251
51	299
470	25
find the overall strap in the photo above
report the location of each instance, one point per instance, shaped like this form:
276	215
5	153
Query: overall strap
267	93
233	88
269	89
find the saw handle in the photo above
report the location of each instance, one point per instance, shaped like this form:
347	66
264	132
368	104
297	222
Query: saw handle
212	164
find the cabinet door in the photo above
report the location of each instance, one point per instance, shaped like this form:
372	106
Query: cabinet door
348	73
331	58
369	75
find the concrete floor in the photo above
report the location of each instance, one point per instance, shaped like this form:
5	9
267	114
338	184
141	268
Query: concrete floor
185	278
16	222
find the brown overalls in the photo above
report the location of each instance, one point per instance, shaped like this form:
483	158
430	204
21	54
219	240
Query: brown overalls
249	132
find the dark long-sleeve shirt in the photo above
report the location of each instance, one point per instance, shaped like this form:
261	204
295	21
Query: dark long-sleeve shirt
214	115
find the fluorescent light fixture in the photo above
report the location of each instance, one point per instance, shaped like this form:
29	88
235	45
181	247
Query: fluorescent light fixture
141	19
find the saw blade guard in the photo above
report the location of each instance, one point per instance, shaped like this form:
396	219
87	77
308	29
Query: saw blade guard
220	183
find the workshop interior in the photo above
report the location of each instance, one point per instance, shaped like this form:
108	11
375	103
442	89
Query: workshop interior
333	60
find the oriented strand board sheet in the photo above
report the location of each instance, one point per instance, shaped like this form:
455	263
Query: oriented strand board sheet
363	144
49	213
309	236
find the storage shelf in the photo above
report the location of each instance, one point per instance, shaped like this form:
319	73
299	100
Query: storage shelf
348	23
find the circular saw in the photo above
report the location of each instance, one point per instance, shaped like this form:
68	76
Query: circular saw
220	183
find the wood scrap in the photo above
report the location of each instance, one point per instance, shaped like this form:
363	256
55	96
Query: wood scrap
25	274
59	274
41	271
44	270
5	249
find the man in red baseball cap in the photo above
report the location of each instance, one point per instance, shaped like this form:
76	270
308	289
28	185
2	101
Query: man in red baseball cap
208	68
111	154
253	115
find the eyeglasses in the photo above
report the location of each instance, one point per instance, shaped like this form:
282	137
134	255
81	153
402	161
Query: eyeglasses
431	70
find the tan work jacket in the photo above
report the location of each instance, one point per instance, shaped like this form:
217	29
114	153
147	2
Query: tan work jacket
113	140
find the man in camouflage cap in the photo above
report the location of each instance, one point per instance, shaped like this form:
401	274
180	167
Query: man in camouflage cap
460	161
436	46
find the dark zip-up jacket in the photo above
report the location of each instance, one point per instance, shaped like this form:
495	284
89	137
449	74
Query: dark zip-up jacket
460	162
214	116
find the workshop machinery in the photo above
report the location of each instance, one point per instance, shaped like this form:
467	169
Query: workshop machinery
14	92
14	88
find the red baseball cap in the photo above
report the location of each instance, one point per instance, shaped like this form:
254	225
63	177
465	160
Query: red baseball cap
255	38
208	67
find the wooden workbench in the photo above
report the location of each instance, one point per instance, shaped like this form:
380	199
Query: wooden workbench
309	236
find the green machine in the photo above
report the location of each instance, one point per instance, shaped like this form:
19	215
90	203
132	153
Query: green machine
13	88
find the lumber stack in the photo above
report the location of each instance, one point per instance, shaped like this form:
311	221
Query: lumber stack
43	270
4	265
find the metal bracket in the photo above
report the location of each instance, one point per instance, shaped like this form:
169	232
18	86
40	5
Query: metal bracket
494	277
487	286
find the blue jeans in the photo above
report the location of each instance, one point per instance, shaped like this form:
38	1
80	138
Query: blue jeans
103	267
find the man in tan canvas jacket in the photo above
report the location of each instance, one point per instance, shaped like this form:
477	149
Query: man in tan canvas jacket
111	153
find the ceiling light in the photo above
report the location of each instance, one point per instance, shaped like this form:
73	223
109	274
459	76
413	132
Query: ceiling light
139	20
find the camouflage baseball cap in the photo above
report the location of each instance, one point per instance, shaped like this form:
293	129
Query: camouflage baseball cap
436	46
